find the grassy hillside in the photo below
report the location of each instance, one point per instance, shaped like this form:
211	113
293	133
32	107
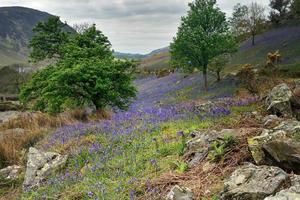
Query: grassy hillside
156	61
284	39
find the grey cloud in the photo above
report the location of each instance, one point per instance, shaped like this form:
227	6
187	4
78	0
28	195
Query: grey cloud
131	25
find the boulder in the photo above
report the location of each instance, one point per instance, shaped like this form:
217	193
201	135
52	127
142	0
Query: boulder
292	193
11	173
9	115
279	101
198	147
204	108
180	193
251	182
40	165
278	146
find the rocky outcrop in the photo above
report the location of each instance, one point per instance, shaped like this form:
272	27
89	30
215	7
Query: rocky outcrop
284	102
40	165
279	101
199	147
10	173
279	146
251	182
180	193
291	193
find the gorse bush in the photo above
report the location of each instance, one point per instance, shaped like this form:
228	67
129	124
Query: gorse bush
85	74
248	78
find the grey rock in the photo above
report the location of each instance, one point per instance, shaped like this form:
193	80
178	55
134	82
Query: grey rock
90	109
8	115
40	165
251	182
205	107
278	146
180	193
292	193
271	121
198	147
11	172
279	101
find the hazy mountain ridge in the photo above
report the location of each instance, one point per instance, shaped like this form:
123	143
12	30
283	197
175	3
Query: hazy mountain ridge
15	32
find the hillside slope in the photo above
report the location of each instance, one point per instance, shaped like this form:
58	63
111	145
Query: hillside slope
286	40
15	32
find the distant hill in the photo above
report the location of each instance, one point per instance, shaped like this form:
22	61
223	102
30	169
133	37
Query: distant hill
129	56
15	32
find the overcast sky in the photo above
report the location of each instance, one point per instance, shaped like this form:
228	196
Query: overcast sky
134	26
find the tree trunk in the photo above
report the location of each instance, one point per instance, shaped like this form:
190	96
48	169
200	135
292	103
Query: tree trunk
253	39
205	77
218	77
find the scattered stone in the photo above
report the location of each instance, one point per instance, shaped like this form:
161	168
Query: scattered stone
279	101
271	121
40	165
251	182
90	109
6	116
205	107
11	172
180	193
279	146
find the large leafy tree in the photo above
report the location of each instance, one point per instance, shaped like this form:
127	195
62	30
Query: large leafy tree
202	35
255	20
48	39
279	10
238	23
295	8
85	74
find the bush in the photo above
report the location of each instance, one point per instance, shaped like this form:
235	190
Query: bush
247	77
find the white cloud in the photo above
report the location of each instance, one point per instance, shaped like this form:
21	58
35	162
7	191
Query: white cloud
131	25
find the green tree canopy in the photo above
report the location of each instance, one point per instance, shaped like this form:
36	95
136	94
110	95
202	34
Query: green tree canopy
85	74
295	8
48	38
202	35
279	10
238	23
